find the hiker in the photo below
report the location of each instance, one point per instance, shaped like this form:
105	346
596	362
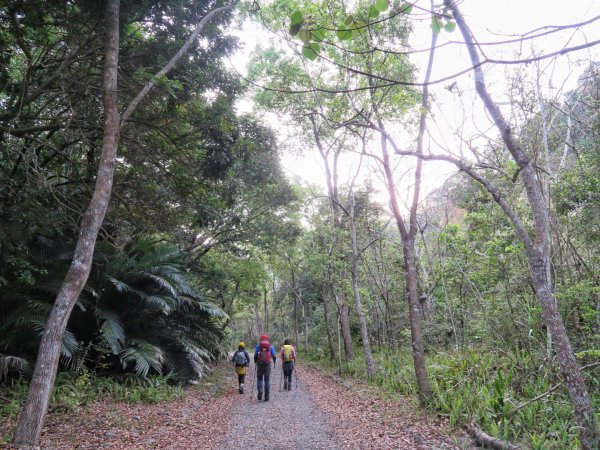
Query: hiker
288	356
264	354
241	359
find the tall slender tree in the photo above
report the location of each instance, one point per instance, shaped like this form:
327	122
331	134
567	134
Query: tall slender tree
537	249
31	419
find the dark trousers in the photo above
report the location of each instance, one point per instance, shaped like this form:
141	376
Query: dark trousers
263	373
241	378
288	368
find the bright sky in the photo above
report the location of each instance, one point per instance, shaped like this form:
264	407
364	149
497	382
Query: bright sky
490	21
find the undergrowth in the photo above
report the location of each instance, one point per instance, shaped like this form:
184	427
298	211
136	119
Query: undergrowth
498	392
74	390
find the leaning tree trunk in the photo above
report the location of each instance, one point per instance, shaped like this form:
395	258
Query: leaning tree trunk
32	417
578	392
537	252
362	323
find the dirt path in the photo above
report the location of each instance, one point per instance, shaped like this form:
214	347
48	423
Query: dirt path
321	412
289	420
324	413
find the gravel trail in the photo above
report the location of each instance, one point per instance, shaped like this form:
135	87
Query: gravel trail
324	412
290	420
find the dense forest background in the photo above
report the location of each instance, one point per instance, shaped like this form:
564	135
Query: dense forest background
206	241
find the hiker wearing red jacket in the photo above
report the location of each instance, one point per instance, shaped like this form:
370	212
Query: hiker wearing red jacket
264	355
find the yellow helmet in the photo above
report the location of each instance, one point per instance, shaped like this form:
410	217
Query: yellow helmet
241	344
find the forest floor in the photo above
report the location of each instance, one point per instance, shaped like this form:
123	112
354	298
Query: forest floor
320	412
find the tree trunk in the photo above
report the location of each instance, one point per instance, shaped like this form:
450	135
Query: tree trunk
34	411
415	319
259	329
266	307
345	324
305	323
295	292
331	178
408	246
537	251
332	355
408	231
362	323
578	392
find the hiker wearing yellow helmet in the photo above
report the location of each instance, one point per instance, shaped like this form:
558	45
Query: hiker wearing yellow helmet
241	359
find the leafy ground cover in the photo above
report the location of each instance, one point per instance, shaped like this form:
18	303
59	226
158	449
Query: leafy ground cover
510	395
351	415
128	415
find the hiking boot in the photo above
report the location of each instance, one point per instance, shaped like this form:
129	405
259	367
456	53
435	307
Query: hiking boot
285	386
241	388
290	387
266	398
259	396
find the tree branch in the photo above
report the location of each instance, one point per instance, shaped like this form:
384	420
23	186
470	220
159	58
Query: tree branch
166	69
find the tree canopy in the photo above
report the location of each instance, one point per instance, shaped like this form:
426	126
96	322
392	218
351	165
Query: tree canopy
481	296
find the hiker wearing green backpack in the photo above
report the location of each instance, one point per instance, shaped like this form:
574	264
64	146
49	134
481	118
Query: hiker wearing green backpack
288	356
241	359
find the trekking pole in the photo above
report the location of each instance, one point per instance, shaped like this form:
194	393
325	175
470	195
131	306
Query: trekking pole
253	379
281	378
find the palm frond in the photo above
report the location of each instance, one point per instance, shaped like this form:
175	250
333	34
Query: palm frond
112	330
8	363
161	283
34	314
163	303
76	361
69	345
160	255
144	355
119	285
210	309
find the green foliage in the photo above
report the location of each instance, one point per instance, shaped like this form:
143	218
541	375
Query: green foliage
489	389
311	51
442	23
73	391
351	26
137	314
